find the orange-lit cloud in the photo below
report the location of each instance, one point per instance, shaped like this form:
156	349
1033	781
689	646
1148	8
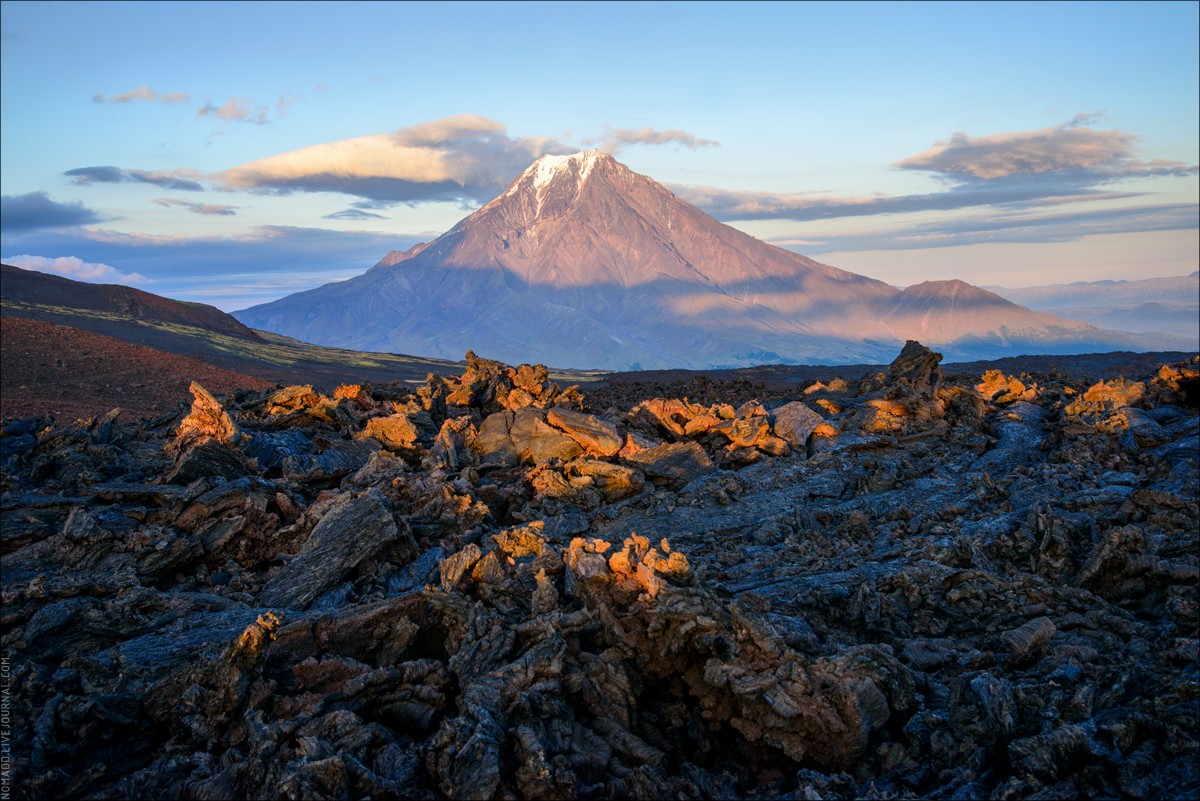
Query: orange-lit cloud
466	158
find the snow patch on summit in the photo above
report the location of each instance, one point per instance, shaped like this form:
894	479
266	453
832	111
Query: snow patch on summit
547	168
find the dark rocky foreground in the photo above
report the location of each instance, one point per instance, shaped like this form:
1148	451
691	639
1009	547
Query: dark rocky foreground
899	586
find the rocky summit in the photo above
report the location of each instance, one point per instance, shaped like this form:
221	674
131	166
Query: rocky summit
584	263
895	585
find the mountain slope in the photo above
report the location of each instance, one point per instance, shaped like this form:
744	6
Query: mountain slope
33	288
68	372
196	331
583	262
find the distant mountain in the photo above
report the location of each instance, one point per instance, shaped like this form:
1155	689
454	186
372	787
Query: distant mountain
190	330
1165	305
30	287
582	262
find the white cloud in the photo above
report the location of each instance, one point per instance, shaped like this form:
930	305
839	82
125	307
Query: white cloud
236	109
77	269
621	138
143	92
1066	164
1071	147
198	208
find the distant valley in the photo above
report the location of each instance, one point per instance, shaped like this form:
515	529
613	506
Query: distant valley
1152	305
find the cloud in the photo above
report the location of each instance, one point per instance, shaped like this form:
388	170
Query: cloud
353	214
464	159
617	140
115	175
198	208
1069	148
237	109
1016	226
284	104
143	92
231	272
457	129
1069	163
374	204
37	210
727	204
77	269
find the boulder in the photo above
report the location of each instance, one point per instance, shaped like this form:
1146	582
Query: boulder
351	530
997	387
597	437
535	441
794	423
615	482
395	432
674	464
916	369
507	438
207	420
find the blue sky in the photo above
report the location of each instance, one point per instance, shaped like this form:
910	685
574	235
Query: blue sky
235	152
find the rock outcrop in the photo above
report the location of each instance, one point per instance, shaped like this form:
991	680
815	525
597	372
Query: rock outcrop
897	585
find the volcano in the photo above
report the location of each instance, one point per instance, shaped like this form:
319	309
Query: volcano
582	262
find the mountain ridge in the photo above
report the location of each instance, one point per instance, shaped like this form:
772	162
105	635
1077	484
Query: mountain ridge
37	288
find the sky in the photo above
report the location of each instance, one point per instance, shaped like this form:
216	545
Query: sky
234	153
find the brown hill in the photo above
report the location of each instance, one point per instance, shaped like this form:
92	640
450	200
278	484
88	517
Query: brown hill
201	332
35	288
68	373
950	311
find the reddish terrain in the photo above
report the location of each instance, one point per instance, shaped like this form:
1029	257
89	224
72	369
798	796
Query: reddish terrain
68	373
29	286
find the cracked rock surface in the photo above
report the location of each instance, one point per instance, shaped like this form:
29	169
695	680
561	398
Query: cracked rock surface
899	585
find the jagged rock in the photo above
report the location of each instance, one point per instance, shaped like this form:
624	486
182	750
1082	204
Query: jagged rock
597	437
210	458
915	370
996	387
358	393
203	443
794	423
614	482
674	463
507	438
207	420
474	616
351	531
538	442
395	432
492	386
292	398
1114	394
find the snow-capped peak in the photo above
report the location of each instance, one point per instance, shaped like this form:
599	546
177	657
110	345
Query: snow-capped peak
547	168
